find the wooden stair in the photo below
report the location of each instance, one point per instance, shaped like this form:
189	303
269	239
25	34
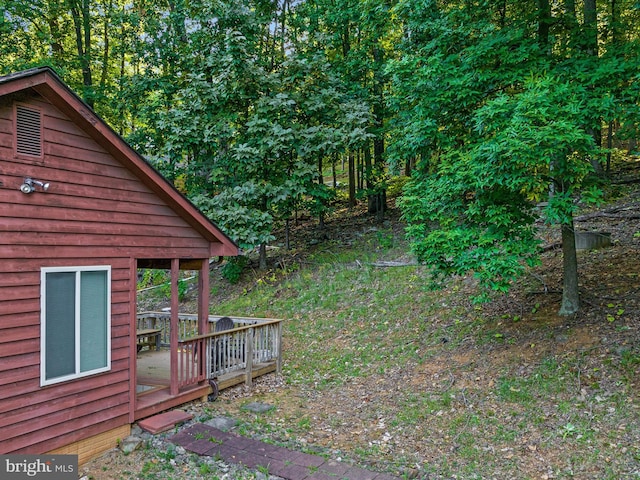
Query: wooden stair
164	421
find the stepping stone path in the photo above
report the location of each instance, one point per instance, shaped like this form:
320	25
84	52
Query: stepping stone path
288	464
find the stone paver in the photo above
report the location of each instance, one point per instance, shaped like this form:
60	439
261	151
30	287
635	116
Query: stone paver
258	407
222	423
282	462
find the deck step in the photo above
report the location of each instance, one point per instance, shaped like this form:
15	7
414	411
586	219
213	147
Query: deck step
164	421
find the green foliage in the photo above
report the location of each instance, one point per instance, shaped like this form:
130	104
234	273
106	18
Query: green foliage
161	279
258	159
233	268
395	186
152	277
183	287
243	103
535	140
498	124
320	198
234	212
629	360
458	226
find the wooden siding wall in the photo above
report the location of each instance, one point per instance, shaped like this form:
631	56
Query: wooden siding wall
94	213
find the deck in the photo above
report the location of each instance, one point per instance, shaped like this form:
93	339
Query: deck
233	356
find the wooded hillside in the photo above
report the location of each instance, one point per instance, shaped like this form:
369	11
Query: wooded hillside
252	108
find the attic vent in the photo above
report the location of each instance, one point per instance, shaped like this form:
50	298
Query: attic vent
28	131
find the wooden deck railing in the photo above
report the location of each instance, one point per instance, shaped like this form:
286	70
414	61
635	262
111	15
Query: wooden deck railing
253	342
190	370
187	323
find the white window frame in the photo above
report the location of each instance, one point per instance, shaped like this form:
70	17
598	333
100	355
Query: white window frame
43	323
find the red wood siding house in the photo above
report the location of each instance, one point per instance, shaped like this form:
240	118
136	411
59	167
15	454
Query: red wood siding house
71	240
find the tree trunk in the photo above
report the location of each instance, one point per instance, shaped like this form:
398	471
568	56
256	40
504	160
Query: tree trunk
378	204
283	29
569	40
544	24
352	180
609	146
86	30
287	233
367	168
590	38
570	294
615	27
263	256
82	26
53	20
334	174
320	182
106	45
378	200
502	11
360	169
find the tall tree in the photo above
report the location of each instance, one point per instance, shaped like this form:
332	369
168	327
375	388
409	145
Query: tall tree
492	133
64	35
81	15
358	38
241	129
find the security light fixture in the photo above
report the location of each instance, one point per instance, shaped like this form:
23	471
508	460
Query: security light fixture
29	185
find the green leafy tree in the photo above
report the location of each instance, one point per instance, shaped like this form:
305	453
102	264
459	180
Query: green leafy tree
242	132
483	199
274	165
86	41
357	38
499	122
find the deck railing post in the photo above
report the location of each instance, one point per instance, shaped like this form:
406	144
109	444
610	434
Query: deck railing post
173	326
249	357
278	348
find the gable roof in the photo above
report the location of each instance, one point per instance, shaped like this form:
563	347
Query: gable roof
45	82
